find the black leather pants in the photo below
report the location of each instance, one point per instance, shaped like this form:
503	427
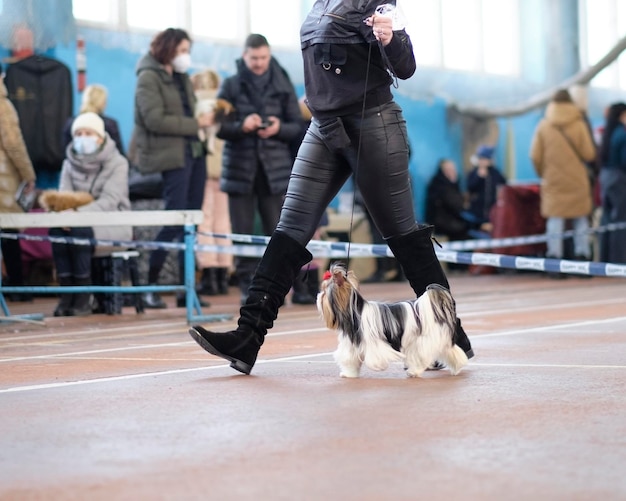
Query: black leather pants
378	156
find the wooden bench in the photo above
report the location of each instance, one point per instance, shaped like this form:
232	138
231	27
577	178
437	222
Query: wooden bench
189	219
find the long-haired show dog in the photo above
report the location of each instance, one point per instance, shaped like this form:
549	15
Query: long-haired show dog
371	333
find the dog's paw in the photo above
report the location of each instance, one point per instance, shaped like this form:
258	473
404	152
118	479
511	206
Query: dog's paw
455	371
349	374
436	366
415	372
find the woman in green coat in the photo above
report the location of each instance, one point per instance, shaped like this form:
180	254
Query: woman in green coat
166	135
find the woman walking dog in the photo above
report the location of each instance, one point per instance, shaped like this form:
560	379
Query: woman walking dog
357	128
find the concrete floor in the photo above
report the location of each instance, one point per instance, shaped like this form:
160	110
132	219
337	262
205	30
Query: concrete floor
129	407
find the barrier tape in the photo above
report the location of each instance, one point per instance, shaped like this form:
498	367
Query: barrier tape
339	250
462	245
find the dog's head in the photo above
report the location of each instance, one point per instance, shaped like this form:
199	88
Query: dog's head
208	103
222	109
337	295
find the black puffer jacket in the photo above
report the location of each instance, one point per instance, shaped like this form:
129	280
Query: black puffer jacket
444	204
242	150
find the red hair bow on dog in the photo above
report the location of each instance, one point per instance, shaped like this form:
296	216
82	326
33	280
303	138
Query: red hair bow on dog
327	275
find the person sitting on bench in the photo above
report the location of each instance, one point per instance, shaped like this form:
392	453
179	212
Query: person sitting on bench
94	174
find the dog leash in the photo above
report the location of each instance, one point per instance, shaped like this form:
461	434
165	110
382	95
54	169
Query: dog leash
358	155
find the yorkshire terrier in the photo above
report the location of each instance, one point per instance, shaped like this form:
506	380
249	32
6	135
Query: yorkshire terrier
418	333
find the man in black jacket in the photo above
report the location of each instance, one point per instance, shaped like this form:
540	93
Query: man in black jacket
257	159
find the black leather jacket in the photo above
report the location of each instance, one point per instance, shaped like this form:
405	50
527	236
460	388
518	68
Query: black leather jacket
338	48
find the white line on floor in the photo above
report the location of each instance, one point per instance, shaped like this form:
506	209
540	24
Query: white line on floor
583	323
140	347
65	384
48	386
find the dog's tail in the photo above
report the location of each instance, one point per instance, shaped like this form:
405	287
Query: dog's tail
437	311
378	353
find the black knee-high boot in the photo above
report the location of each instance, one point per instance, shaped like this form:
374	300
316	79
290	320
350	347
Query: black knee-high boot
421	266
272	281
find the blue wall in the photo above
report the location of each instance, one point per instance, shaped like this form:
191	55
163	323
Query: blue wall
424	98
549	55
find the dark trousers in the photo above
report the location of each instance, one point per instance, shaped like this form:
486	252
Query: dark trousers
12	256
381	174
183	188
243	209
613	187
72	260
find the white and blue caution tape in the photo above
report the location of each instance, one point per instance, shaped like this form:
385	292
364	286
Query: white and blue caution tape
449	252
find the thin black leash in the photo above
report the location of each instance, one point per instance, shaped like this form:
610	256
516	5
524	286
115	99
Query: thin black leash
358	154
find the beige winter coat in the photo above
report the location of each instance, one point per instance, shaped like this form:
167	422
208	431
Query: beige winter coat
15	164
565	187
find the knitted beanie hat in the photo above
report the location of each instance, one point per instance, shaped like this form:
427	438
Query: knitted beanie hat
90	121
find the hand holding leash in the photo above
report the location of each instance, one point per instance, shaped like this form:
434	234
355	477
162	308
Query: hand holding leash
382	27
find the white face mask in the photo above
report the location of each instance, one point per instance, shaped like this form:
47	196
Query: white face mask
86	145
181	63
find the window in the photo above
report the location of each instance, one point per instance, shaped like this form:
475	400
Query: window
468	35
501	37
603	24
424	26
279	21
147	14
98	12
461	28
203	16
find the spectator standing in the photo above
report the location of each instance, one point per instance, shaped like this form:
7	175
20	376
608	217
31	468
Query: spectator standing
215	266
578	94
166	135
15	167
93	165
561	147
257	157
613	183
95	98
483	182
